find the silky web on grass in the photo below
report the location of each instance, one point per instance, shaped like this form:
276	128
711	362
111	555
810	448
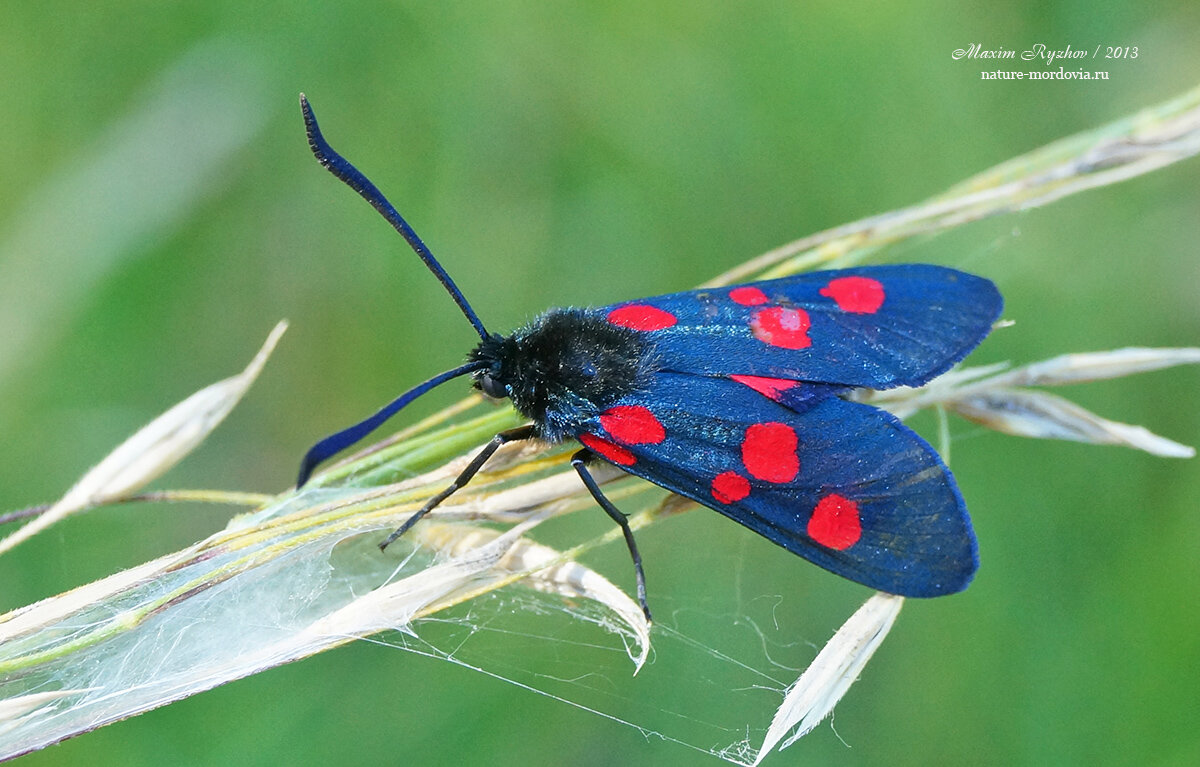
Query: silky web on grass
302	574
245	601
258	597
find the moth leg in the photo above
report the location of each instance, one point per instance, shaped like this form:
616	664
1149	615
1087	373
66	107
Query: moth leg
579	461
504	437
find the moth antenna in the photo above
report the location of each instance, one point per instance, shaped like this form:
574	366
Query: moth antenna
353	178
335	443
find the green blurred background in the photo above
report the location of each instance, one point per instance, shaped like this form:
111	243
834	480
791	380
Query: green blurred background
160	212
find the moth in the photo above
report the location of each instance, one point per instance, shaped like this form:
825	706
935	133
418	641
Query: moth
739	398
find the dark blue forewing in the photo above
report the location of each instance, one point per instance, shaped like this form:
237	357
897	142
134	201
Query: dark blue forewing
879	326
843	484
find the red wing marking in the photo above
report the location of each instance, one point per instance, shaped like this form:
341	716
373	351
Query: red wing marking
748	296
614	453
782	327
730	487
632	425
641	317
772	388
769	452
835	522
857	295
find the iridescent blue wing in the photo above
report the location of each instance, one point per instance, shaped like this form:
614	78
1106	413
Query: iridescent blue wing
878	326
842	484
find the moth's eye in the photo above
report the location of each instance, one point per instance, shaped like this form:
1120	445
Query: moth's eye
491	387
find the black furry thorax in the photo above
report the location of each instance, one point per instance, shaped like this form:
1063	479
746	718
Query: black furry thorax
564	367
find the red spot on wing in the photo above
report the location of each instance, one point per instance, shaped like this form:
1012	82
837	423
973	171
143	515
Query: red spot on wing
768	387
641	317
730	487
857	295
632	425
748	296
614	453
769	452
835	522
782	327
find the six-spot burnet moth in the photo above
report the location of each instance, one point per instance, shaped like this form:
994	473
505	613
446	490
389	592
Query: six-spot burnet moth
734	397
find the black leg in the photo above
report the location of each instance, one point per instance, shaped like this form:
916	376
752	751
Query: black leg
512	435
578	461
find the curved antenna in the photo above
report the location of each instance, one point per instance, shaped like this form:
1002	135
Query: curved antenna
336	443
353	178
